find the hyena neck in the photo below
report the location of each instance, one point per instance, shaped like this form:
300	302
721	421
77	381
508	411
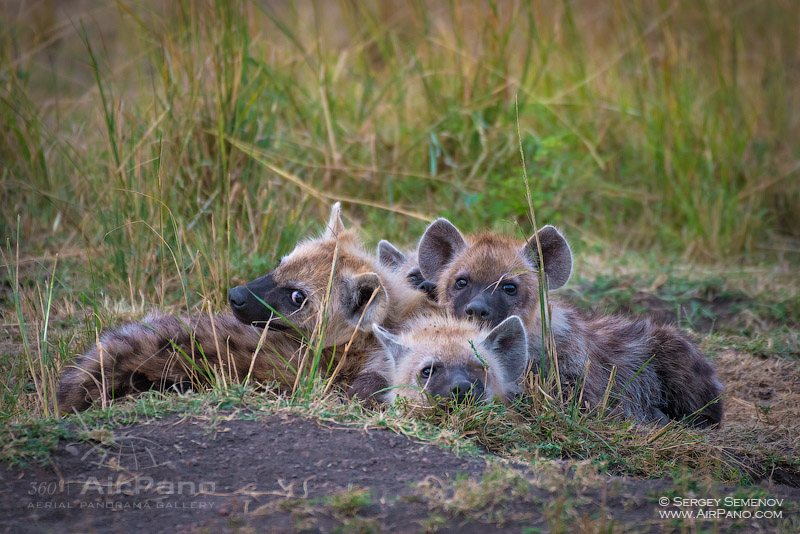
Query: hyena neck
561	324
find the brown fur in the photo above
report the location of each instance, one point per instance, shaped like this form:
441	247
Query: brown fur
405	264
136	357
677	382
164	352
441	346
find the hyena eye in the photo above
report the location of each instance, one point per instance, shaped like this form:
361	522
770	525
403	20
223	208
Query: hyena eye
298	297
414	278
427	372
510	289
461	283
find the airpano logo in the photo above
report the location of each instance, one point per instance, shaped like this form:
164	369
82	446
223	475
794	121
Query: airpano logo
125	473
144	484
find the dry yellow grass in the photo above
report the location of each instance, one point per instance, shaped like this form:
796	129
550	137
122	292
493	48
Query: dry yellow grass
762	398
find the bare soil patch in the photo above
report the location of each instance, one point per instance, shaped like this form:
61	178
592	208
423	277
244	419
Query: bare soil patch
287	474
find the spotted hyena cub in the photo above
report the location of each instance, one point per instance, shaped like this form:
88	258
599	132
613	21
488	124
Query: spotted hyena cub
441	358
330	279
658	372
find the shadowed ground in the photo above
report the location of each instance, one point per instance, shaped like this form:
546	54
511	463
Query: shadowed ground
286	474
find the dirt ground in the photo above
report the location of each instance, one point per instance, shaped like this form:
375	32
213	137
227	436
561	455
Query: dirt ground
287	474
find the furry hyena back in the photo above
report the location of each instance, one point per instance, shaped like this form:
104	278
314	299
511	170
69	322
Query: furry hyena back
433	359
488	277
304	292
164	351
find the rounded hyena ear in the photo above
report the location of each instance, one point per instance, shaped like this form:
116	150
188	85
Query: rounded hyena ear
335	224
440	243
364	300
389	256
508	342
392	348
556	254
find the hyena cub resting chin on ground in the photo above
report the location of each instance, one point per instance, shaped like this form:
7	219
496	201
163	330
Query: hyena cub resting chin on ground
433	361
658	372
139	356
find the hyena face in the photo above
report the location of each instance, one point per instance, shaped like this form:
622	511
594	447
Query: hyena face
433	360
301	287
405	265
491	277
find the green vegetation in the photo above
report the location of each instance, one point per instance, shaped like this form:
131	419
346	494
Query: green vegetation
172	148
152	155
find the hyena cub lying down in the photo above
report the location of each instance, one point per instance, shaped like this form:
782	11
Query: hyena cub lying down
432	360
162	351
659	373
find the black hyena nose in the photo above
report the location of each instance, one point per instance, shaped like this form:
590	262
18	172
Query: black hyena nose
464	390
477	310
237	297
429	288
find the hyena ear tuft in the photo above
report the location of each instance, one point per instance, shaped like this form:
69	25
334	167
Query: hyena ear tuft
440	243
508	341
389	256
335	224
356	300
389	341
556	252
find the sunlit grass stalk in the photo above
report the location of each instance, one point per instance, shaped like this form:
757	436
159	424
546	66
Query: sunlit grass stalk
47	395
14	272
548	356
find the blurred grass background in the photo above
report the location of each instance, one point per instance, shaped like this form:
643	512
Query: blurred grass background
163	151
172	149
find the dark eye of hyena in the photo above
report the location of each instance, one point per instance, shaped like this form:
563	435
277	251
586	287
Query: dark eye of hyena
427	372
461	283
297	298
510	289
415	277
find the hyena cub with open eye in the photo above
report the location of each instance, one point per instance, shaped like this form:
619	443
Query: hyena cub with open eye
659	373
432	360
331	277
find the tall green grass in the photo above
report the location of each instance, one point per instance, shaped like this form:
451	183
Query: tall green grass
135	125
168	150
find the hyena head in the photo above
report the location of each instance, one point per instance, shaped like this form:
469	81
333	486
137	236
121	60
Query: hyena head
405	265
489	277
433	360
302	289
